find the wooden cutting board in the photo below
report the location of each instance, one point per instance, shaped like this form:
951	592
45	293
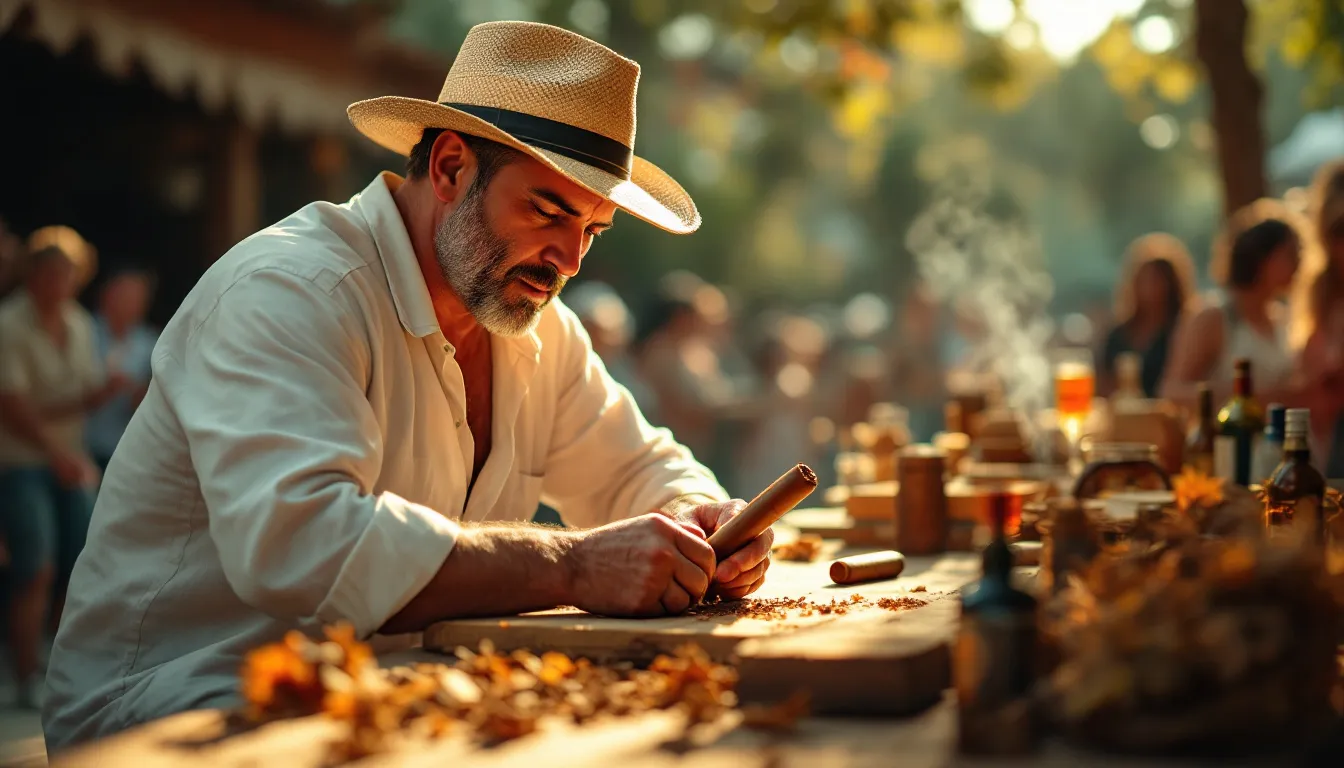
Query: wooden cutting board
580	634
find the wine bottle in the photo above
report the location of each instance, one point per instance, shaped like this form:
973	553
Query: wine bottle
994	665
1296	491
1199	444
1240	423
1269	451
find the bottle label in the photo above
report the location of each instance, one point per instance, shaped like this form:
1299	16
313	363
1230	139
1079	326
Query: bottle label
1232	458
994	660
1225	457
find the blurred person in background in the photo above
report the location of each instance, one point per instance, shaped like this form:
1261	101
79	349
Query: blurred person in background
1318	317
50	379
609	325
1255	260
1157	283
780	435
680	359
124	344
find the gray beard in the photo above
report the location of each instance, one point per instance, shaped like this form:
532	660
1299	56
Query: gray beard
472	258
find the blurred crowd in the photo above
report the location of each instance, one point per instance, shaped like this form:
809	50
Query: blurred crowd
751	394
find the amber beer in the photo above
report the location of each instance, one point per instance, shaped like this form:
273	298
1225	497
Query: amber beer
1075	385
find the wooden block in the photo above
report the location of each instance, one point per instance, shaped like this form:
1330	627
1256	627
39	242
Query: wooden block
868	533
874	501
889	664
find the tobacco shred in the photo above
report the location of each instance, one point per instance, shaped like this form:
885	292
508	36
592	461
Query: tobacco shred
784	608
494	696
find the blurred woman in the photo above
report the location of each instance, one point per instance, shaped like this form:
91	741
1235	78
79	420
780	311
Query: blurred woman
1157	285
1318	317
1255	260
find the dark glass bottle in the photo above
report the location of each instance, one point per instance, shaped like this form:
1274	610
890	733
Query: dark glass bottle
994	668
1296	491
1240	424
1199	443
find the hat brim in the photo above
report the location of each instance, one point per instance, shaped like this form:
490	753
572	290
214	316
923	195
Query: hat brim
396	123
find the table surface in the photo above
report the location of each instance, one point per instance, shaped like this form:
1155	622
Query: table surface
201	739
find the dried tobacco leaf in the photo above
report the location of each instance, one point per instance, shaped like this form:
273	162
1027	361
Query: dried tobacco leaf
497	696
781	716
1217	643
1193	489
805	549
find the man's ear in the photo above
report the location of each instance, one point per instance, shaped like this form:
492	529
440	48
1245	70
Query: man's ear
452	167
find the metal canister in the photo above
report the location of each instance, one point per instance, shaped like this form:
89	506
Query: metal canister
921	506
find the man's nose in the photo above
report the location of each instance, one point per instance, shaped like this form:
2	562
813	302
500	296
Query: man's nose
565	256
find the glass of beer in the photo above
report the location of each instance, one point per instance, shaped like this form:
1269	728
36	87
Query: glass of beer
1075	385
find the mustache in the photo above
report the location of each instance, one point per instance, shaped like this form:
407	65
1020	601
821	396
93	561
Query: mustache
543	276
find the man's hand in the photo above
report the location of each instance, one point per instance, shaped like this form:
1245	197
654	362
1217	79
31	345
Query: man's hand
744	571
650	565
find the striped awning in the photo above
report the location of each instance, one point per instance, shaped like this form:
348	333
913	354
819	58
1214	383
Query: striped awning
267	87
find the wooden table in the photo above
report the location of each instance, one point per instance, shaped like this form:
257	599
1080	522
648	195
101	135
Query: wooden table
199	739
926	740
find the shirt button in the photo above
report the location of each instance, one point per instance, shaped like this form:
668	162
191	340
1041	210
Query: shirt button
458	423
448	348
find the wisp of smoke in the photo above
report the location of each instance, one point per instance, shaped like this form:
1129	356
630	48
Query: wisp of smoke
995	270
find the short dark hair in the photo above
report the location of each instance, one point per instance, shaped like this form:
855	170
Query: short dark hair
490	156
1252	247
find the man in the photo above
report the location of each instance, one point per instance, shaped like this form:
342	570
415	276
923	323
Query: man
354	408
124	344
49	380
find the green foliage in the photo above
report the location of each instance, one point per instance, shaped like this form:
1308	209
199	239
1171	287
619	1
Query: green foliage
810	132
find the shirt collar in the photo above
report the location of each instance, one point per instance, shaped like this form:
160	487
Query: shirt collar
409	292
415	309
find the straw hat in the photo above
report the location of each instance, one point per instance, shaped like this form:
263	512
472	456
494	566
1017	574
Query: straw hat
559	97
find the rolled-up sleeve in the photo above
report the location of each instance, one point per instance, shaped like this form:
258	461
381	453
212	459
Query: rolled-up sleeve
271	395
606	462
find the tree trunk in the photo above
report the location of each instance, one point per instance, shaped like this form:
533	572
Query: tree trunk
1237	95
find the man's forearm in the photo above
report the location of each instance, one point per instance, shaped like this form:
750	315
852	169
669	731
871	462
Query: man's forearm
494	570
21	417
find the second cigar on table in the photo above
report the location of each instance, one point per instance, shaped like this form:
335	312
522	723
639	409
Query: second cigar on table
771	504
873	566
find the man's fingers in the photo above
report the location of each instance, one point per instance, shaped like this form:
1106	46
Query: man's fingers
693	529
745	558
722	513
675	600
697	550
740	592
751	576
691	578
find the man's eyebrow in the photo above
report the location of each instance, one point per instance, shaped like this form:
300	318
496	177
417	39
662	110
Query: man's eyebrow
556	199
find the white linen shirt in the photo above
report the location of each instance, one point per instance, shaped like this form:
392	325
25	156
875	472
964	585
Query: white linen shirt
303	457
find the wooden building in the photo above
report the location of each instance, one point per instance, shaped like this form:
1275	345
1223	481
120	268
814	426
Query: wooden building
167	130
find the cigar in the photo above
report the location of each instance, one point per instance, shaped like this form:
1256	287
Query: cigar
772	503
870	567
